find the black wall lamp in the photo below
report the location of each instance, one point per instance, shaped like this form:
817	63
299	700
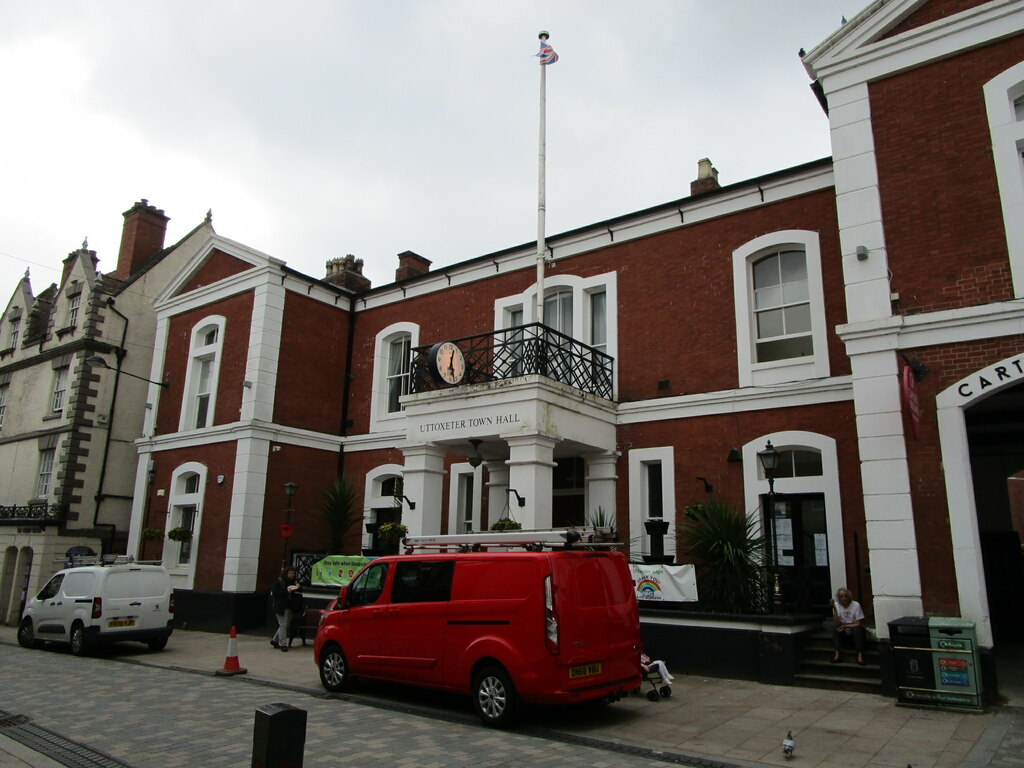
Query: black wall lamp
98	362
410	502
519	499
734	455
475	458
708	487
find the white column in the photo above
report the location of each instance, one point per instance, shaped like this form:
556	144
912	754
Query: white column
888	513
264	349
530	464
423	477
601	482
245	524
497	489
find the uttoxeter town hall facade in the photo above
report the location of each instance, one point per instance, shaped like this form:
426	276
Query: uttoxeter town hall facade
863	313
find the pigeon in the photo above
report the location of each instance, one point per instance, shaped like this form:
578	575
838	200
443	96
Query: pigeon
788	745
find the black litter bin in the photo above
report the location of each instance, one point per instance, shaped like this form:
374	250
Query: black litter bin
936	662
279	736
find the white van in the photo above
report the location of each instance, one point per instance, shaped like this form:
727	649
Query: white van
95	604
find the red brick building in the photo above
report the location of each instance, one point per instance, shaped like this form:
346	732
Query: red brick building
804	308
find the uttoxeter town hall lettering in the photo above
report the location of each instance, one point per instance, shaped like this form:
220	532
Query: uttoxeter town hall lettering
501	419
1006	371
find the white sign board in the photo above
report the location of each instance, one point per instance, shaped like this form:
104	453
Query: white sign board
664	583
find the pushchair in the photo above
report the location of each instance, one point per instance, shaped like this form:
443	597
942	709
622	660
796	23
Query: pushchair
656	674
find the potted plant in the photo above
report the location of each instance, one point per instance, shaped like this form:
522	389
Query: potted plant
179	534
603	524
392	533
151	534
506	524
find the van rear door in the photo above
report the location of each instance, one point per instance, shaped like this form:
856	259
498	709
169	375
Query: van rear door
155	593
597	616
122	603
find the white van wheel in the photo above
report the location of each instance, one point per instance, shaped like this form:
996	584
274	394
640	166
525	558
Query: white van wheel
27	635
494	697
333	669
157	643
79	646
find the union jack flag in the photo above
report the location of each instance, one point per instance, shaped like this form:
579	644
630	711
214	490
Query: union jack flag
547	53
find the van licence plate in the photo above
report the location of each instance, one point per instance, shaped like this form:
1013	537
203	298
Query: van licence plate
585	670
121	623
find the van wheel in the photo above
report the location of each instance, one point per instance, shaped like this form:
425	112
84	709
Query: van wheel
494	697
334	672
79	646
27	635
157	643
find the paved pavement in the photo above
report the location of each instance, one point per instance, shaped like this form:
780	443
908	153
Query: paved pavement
707	721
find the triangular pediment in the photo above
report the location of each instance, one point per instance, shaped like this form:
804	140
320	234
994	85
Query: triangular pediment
889	36
217	261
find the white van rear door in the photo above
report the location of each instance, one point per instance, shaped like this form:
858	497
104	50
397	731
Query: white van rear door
156	597
122	601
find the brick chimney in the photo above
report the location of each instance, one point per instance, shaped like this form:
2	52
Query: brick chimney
347	273
410	265
707	178
142	236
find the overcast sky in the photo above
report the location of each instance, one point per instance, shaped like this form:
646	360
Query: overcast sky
319	128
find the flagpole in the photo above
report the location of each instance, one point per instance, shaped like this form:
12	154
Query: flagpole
541	207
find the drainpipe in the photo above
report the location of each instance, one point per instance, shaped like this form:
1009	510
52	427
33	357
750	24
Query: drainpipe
347	385
119	353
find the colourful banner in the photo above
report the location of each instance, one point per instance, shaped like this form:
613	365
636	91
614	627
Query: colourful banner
664	583
335	570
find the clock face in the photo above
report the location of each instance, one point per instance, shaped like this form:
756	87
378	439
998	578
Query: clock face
448	362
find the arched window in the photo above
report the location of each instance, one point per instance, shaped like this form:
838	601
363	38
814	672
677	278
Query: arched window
202	375
392	360
184	514
780	309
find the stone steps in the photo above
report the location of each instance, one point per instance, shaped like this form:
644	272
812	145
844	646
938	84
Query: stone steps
817	671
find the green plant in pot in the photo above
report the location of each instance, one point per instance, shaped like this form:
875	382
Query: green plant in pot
392	533
506	524
602	522
179	534
724	544
151	534
339	510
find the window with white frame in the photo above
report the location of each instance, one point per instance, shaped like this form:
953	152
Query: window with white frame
464	498
45	476
780	309
5	392
392	359
202	374
399	358
1004	103
651	495
185	512
74	303
60	384
575	306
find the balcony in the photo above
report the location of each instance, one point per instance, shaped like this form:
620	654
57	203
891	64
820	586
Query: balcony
523	350
33	514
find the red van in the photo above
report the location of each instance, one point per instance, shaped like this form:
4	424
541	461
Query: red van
510	627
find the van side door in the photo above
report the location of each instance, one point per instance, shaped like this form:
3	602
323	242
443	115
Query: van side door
48	605
417	621
363	620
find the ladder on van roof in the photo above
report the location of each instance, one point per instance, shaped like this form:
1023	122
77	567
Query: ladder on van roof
531	541
75	561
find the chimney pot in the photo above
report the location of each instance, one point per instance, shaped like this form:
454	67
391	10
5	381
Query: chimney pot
707	178
410	265
142	236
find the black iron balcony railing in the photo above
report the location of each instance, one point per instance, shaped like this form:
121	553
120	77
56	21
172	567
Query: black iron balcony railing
33	514
521	351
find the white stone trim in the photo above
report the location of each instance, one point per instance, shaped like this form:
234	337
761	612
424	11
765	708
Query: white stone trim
1007	144
245	524
372	498
197	352
183	576
380	420
455	473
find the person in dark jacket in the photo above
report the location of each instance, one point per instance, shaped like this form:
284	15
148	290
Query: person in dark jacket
297	604
281	594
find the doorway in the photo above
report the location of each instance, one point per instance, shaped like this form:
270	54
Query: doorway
799	532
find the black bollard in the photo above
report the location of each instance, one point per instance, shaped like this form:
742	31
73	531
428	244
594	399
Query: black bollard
278	736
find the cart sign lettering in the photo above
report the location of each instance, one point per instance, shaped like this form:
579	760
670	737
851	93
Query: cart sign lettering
1006	371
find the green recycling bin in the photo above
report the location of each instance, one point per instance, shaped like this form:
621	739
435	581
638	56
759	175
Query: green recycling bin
936	662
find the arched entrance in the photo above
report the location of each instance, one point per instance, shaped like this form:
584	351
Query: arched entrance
981	433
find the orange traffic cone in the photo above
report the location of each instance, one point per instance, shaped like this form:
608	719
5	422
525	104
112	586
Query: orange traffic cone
231	666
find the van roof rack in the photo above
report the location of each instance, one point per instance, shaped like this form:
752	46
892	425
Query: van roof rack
531	541
75	561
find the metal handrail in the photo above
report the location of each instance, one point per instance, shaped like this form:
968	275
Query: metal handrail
522	350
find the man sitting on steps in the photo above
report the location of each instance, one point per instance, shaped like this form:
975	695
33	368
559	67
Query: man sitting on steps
848	619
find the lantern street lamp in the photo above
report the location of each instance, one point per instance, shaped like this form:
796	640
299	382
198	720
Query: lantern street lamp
286	526
769	458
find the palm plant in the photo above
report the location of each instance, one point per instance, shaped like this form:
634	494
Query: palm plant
339	511
729	555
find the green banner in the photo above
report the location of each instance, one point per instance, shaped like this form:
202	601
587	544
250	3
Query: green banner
335	570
